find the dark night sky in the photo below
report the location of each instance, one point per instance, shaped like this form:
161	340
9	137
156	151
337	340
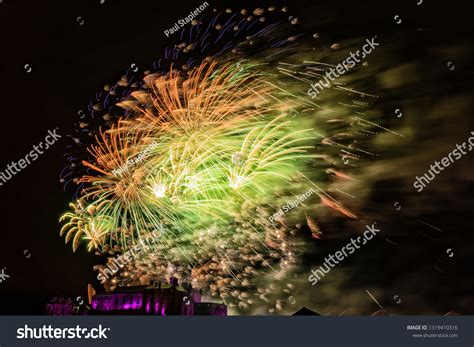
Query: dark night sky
69	64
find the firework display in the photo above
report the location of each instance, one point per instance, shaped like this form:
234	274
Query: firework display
253	159
202	152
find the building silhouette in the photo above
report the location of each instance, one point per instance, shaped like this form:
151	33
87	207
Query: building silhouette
163	299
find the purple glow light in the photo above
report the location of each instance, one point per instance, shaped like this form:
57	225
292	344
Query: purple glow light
148	305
